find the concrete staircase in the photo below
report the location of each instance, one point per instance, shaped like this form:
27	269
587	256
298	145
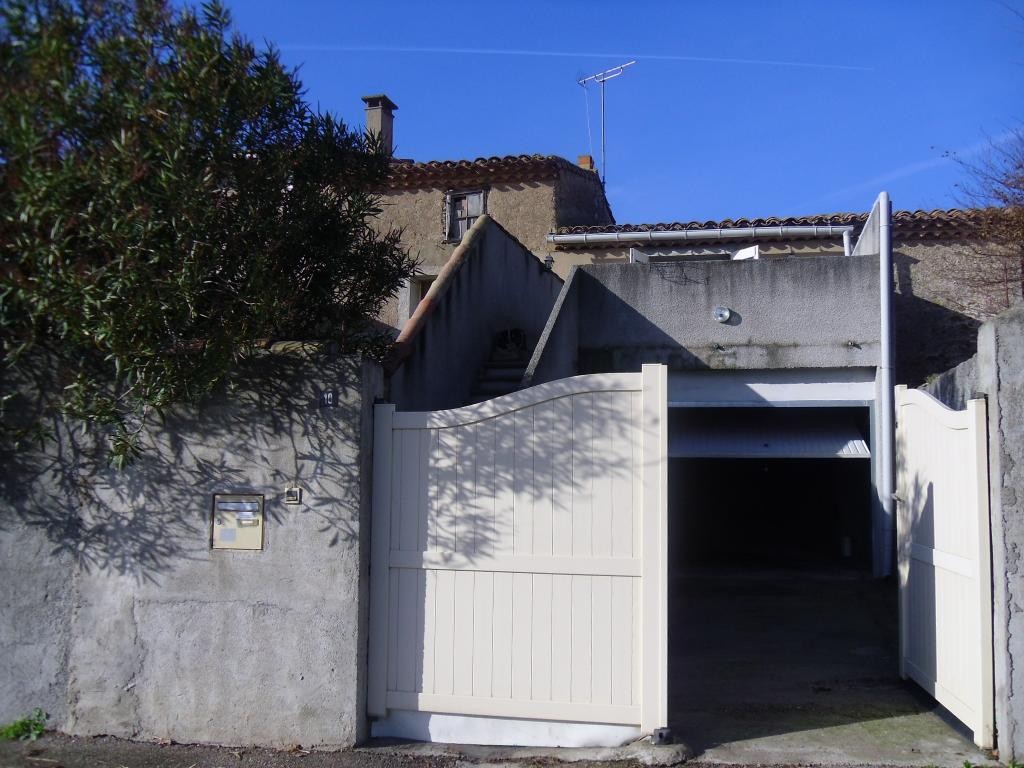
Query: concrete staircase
504	368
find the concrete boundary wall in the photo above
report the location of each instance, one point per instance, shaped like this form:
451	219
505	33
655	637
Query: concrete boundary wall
119	619
997	373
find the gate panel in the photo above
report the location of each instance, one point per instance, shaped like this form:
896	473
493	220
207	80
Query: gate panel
944	556
510	560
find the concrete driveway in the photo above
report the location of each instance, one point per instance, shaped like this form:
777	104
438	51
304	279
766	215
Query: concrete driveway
799	666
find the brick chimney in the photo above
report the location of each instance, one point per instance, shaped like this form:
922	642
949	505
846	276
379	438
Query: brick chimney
586	162
380	119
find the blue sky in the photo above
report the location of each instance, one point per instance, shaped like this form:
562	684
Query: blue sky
732	109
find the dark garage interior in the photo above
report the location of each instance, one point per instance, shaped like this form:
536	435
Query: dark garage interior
776	626
786	513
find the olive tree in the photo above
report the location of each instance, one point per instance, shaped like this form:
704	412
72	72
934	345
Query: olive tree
168	202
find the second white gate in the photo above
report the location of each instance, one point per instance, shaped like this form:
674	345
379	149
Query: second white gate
944	556
518	560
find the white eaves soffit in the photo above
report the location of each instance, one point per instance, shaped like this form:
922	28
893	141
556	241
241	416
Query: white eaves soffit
753	433
798	388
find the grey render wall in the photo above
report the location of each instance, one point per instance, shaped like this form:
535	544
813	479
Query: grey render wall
499	286
939	306
526	209
787	313
956	386
579	200
564	260
945	288
997	373
555	354
119	618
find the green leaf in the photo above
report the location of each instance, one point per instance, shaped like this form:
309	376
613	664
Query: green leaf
176	199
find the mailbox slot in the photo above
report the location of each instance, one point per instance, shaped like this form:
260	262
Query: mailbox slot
237	521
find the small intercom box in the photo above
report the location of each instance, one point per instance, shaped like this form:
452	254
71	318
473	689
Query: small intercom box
237	521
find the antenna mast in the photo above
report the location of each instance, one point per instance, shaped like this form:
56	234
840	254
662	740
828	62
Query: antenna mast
601	78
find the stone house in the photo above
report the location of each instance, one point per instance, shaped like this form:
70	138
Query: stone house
435	203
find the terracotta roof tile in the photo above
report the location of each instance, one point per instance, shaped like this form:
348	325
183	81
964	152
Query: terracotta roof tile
921	225
410	174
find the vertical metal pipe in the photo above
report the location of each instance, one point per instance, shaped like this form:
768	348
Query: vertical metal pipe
604	167
885	380
847	247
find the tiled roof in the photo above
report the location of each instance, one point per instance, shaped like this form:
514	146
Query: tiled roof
409	174
907	225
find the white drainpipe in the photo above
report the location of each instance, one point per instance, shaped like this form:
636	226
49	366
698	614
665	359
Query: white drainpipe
721	233
887	394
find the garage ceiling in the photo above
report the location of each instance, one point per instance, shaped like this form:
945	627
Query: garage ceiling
771	433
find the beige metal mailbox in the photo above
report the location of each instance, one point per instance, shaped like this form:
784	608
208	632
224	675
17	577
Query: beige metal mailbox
237	521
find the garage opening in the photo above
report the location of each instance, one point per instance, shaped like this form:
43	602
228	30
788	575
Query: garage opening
778	633
791	514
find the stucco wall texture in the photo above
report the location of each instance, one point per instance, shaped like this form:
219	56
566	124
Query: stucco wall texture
792	313
529	210
997	373
120	619
499	286
944	290
526	210
579	200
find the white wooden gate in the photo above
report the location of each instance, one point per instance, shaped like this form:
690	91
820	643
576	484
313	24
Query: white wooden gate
518	557
944	556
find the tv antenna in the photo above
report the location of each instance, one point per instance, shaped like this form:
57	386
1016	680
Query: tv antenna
601	78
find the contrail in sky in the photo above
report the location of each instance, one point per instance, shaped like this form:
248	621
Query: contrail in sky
573	55
878	182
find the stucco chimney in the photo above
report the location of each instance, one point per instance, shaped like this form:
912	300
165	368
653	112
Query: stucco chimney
380	119
585	161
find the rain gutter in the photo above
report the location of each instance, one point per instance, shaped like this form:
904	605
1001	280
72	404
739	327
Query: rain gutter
720	233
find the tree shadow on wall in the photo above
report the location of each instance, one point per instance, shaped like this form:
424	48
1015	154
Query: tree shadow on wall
929	338
917	577
262	433
558	478
627	336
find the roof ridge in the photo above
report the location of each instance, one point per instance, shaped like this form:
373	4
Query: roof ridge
411	173
482	158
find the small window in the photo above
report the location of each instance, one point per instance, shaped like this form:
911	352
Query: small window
418	289
462	209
